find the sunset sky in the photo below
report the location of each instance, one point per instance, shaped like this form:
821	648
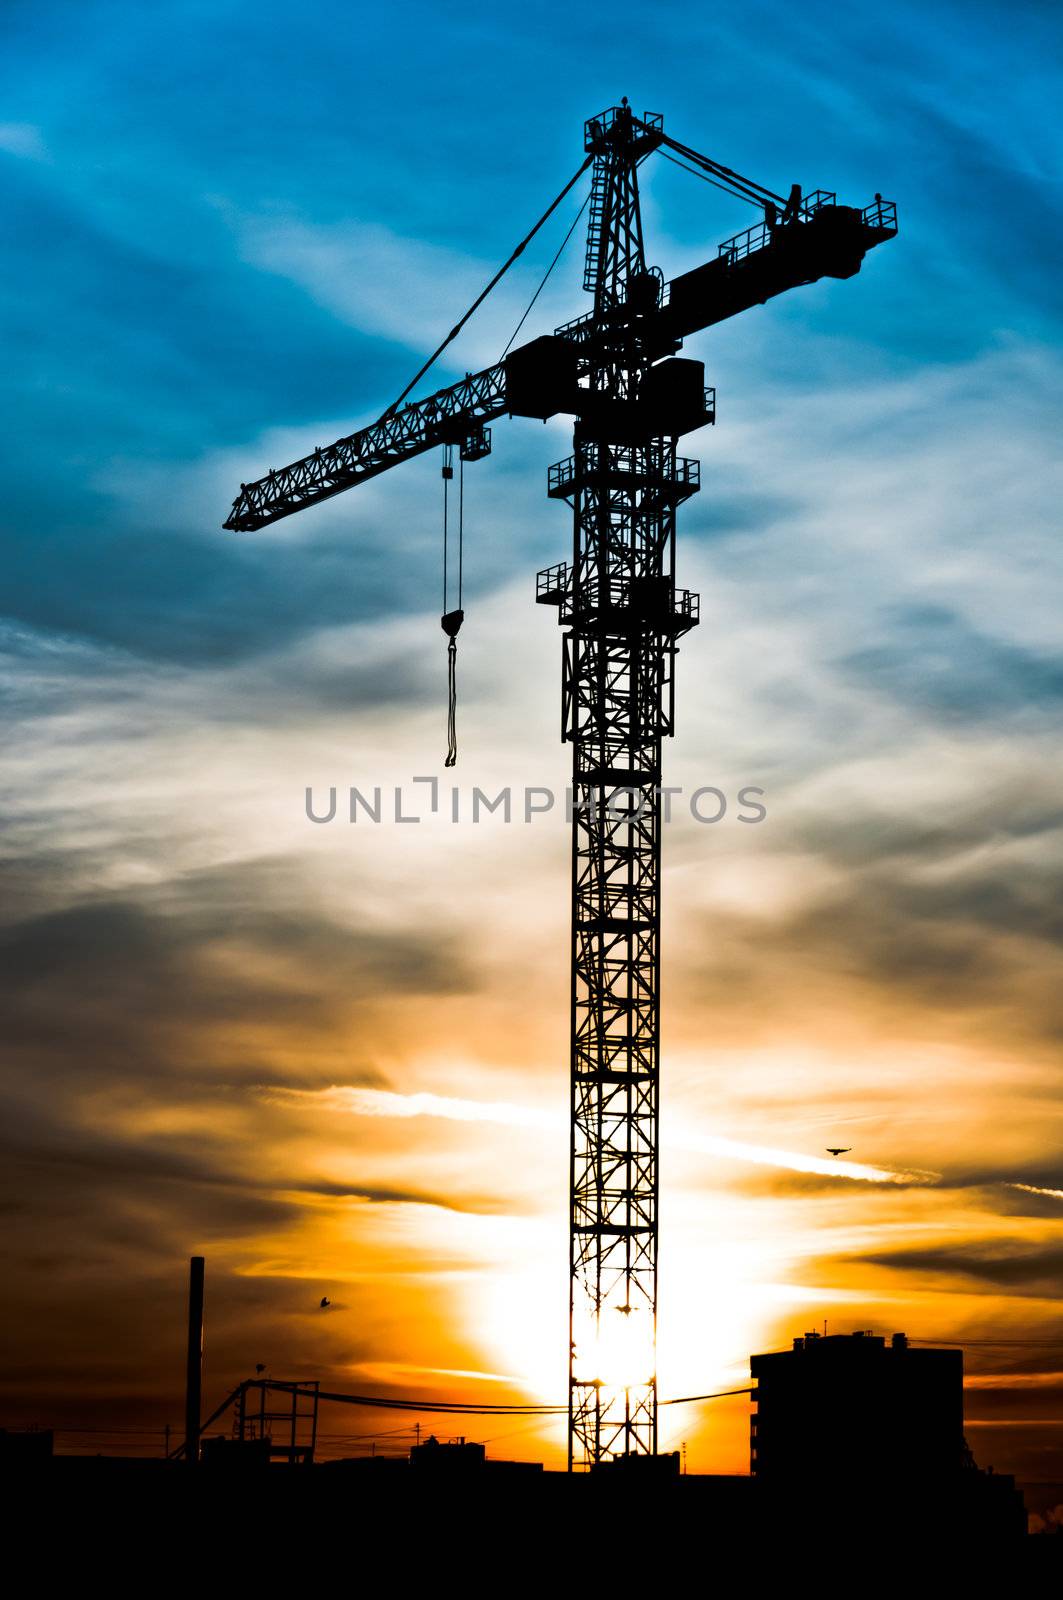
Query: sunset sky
332	1059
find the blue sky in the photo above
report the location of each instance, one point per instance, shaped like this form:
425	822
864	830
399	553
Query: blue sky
154	155
232	232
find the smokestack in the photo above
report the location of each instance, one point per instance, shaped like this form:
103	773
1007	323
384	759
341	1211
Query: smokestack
194	1373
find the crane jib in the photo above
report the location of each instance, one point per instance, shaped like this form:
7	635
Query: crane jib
444	418
541	379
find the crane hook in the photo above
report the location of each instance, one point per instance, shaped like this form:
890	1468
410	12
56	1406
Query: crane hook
450	622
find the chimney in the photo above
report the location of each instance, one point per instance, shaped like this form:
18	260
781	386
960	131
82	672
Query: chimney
194	1370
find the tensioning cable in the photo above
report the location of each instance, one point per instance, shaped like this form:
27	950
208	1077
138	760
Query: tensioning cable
482	296
546	274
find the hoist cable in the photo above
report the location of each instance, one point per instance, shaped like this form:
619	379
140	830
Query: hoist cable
482	296
446	486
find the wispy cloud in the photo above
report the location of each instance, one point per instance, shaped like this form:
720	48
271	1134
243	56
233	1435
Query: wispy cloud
23	139
384	1103
363	272
388	285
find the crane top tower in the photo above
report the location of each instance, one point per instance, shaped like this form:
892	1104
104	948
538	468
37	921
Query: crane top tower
617	371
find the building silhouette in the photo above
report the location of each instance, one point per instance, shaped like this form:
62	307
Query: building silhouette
850	1402
844	1422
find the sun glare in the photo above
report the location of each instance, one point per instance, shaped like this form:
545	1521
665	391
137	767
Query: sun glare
619	1353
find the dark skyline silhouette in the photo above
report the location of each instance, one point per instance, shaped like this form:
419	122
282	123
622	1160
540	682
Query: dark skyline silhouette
850	1436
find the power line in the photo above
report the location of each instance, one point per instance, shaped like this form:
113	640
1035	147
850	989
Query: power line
690	1399
994	1344
483	1409
109	1432
447	1407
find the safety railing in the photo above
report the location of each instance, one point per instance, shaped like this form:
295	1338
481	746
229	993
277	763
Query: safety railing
881	213
561	476
688	605
579	327
552	584
630	461
760	234
594	127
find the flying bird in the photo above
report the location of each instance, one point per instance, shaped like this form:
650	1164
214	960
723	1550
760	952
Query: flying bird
325	1301
836	1150
260	1367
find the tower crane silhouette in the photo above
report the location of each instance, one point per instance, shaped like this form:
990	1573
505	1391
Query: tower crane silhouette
617	371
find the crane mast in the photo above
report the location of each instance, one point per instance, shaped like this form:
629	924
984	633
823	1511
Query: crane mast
622	614
616	370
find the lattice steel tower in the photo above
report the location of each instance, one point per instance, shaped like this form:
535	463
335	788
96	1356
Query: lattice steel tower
618	602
